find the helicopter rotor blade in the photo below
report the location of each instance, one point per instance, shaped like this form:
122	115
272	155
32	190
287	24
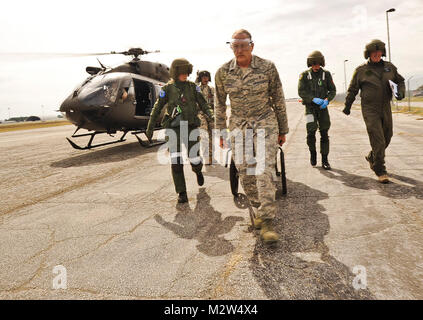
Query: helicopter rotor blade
38	55
42	55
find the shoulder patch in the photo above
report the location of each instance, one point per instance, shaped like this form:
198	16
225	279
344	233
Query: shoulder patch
301	75
162	93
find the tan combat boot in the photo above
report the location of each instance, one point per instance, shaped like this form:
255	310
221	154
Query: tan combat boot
267	234
383	178
258	222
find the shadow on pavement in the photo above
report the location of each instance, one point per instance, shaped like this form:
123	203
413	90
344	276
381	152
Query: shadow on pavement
216	170
106	155
203	224
300	265
413	188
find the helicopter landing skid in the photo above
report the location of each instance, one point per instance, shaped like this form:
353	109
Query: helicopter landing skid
92	135
147	144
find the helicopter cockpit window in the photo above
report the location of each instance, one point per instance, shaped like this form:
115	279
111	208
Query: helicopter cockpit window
102	90
110	89
79	87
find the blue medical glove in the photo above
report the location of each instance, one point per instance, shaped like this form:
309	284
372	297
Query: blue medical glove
318	101
325	104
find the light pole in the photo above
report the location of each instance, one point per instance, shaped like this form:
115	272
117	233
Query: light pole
387	26
345	77
409	94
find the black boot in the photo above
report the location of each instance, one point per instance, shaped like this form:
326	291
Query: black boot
325	162
313	158
182	198
369	159
200	178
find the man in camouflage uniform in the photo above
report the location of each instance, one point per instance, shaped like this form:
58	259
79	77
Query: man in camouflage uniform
203	78
372	78
316	88
257	102
182	99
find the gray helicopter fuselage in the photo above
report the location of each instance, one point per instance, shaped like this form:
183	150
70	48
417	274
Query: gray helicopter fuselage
119	99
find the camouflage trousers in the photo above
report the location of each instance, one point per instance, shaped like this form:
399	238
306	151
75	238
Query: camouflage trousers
207	125
257	168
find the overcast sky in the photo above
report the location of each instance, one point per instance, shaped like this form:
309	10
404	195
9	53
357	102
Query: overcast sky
283	31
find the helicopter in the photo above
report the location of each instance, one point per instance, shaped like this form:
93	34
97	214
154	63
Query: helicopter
116	99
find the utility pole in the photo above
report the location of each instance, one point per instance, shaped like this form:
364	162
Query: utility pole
345	78
409	93
387	27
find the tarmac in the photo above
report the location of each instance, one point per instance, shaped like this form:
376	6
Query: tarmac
109	218
417	104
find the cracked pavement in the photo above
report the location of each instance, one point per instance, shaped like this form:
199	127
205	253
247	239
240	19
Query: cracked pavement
109	216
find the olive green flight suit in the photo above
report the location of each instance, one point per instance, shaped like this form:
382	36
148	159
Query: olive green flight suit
316	85
373	81
187	95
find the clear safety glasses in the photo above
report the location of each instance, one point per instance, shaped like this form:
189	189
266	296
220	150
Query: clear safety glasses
240	44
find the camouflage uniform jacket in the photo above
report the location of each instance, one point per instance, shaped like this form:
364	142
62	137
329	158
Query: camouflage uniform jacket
254	95
208	93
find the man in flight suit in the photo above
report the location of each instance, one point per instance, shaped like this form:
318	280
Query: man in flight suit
203	79
182	99
372	78
257	103
316	88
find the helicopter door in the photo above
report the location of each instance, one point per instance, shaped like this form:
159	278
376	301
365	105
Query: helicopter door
144	97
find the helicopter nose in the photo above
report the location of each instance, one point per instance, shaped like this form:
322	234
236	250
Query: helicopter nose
70	108
65	106
70	104
79	103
